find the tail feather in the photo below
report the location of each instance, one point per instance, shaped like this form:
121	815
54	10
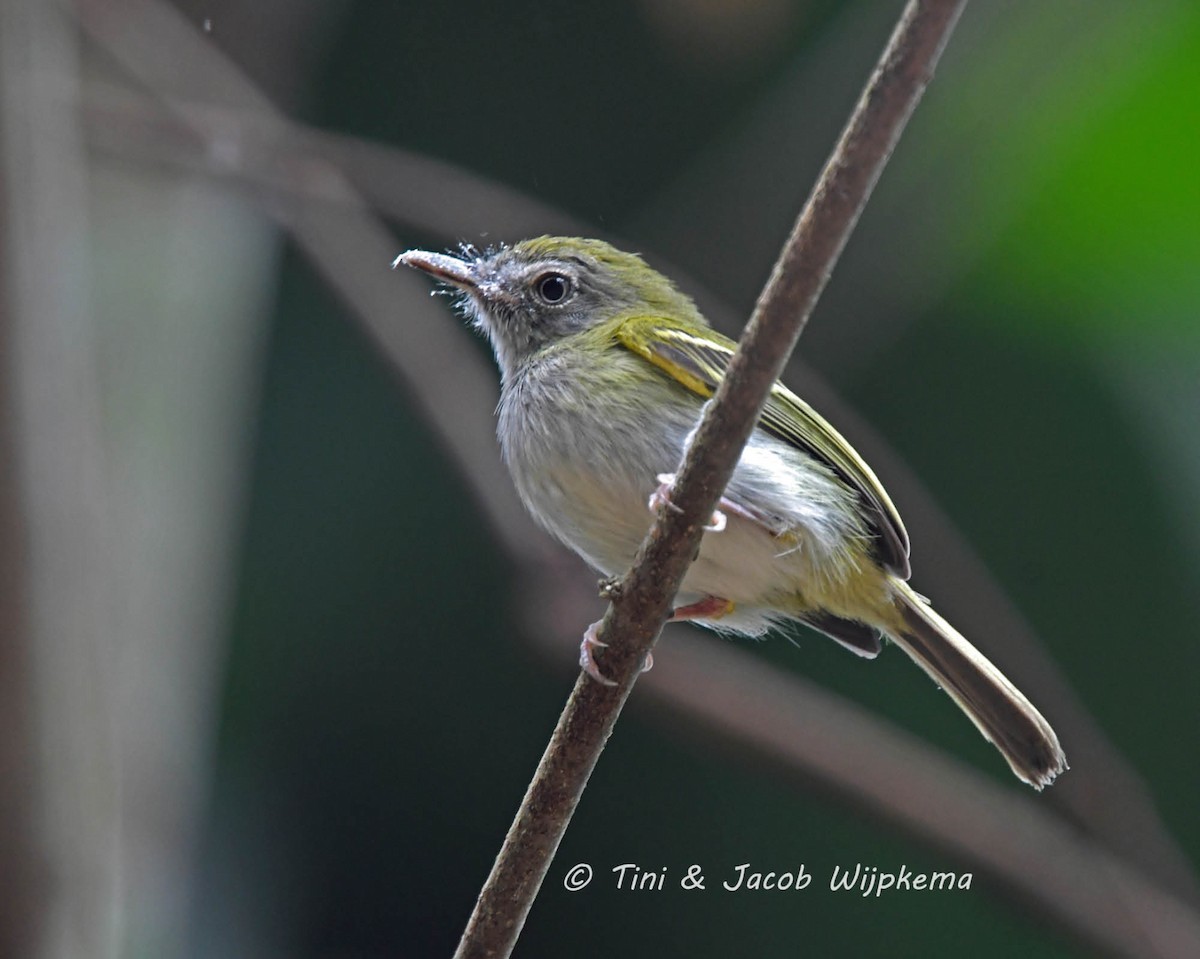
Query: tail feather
997	708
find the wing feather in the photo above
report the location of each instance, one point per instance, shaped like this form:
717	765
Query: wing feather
698	362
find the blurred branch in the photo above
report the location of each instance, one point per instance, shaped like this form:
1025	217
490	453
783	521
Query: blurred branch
789	725
641	602
349	247
296	162
22	902
51	379
327	218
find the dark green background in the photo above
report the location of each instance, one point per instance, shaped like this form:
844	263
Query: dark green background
1017	316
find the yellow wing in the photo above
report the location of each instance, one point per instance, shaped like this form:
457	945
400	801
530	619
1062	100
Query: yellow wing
698	361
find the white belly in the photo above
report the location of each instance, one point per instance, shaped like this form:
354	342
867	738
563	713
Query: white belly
603	514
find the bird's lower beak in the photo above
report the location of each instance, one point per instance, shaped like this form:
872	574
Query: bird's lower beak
449	269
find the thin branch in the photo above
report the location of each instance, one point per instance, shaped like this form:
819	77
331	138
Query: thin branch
640	605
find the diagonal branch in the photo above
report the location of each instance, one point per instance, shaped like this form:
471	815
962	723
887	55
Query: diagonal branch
640	603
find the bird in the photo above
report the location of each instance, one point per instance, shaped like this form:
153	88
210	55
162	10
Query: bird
605	366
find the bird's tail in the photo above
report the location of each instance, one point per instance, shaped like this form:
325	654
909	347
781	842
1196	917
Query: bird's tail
1005	717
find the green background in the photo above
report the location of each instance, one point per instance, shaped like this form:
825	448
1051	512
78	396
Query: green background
1017	316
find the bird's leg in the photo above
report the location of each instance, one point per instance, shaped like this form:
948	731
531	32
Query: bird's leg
662	497
711	607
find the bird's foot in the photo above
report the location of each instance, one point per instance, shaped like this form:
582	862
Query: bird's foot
662	497
587	656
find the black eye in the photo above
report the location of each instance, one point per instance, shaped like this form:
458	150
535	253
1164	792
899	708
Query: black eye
552	287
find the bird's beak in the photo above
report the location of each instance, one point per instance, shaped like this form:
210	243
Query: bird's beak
448	269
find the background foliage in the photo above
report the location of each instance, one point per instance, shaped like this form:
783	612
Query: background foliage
1038	231
337	761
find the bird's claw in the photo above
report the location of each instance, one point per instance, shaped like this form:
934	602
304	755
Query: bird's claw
587	656
662	497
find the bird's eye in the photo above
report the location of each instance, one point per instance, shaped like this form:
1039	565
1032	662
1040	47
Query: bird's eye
552	288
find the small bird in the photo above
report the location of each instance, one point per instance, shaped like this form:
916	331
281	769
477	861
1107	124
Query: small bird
605	367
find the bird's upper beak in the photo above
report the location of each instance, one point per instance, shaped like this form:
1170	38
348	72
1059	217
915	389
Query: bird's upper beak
449	269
